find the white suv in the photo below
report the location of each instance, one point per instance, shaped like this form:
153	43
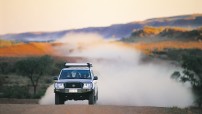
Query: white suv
76	82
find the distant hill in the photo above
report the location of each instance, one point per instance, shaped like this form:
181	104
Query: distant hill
151	34
117	31
147	31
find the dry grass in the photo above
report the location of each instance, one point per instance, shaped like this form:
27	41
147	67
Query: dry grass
159	46
5	43
37	49
30	49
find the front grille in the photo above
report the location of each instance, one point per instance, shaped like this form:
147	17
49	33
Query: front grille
73	85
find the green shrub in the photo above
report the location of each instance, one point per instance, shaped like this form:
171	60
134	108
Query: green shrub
192	65
14	79
15	91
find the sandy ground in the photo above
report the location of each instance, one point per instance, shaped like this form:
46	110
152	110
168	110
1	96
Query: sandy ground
30	106
75	109
18	101
86	109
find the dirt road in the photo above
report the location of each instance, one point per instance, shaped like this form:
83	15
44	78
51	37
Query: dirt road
86	109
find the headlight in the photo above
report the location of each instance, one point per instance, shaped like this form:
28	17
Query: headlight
87	85
59	85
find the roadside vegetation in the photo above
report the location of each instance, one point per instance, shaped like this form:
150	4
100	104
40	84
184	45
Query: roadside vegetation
27	77
191	62
192	65
149	48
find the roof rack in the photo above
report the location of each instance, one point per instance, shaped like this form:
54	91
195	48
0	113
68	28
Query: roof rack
67	65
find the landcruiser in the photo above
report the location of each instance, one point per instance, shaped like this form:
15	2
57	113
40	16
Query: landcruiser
76	82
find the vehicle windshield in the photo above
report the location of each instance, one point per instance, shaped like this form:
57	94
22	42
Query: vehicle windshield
75	74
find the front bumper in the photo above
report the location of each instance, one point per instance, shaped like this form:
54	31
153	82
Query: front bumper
72	90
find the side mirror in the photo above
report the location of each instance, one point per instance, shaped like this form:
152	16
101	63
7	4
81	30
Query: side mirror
95	78
55	78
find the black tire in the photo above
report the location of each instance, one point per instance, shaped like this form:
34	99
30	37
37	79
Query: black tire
96	97
91	100
59	99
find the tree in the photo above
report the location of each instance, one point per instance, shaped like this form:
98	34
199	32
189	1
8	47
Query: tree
34	68
192	65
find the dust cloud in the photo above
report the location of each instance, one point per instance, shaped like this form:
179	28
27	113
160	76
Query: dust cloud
123	78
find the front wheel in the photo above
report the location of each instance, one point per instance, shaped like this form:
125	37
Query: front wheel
59	99
96	97
91	100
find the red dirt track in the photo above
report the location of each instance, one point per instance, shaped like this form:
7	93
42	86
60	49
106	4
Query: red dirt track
76	109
